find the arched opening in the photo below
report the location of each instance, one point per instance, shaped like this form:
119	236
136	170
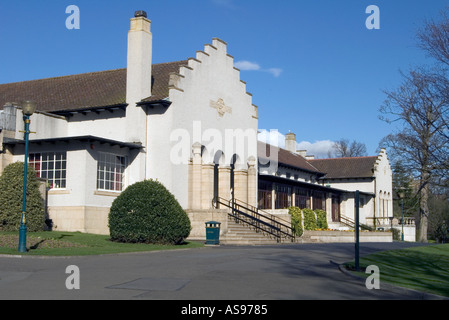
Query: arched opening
218	159
234	160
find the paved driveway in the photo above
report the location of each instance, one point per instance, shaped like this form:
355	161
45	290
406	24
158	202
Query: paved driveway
287	272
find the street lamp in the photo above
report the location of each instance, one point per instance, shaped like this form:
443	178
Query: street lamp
402	196
28	108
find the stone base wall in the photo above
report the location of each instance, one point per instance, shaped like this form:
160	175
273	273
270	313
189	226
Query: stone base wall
346	236
80	218
198	219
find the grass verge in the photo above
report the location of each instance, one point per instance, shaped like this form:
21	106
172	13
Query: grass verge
55	243
425	268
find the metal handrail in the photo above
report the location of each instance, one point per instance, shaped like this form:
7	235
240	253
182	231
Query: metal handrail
251	216
351	223
253	208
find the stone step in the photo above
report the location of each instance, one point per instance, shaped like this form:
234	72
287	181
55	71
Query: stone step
240	234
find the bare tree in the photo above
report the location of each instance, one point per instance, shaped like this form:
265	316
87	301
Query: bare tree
417	105
343	148
434	39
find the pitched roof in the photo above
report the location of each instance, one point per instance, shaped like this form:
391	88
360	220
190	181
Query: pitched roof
87	90
335	168
269	152
338	168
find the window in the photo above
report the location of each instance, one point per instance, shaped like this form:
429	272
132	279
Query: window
283	195
110	172
51	166
319	200
265	195
302	198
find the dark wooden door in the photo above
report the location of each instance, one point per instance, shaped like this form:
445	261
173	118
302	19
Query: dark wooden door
335	208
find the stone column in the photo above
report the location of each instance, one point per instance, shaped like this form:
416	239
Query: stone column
196	176
224	182
329	206
241	185
207	186
252	181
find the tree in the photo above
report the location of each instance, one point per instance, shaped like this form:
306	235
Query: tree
403	184
421	105
434	39
11	197
417	105
343	148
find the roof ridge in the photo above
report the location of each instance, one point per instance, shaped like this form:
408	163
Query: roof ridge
363	157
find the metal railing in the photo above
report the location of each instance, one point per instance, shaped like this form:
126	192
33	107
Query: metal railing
351	223
251	216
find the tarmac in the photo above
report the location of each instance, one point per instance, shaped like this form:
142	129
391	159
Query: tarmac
213	273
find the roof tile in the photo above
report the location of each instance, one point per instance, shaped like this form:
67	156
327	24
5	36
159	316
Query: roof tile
87	90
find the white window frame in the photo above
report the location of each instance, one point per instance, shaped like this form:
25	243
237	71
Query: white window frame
51	165
110	166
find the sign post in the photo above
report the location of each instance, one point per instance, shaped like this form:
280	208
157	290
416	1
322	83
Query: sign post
357	240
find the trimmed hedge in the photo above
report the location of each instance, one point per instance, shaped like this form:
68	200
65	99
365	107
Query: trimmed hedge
11	199
321	219
309	219
146	212
296	220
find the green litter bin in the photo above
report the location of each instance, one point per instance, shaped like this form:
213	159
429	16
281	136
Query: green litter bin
213	232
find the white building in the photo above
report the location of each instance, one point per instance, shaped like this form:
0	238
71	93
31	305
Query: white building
327	184
190	124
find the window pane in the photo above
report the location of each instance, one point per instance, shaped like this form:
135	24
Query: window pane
110	172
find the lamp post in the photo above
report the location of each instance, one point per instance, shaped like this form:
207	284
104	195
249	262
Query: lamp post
28	108
402	196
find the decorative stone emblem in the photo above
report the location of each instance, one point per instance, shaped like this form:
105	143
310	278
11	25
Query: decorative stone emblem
221	107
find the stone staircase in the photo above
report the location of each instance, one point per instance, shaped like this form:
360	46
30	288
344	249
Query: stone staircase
240	234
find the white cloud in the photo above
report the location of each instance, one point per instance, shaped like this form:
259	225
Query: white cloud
275	71
246	65
319	149
272	137
254	66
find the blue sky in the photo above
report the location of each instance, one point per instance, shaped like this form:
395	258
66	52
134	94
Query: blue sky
312	65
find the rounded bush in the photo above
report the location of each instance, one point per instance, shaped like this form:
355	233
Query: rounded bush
146	212
11	199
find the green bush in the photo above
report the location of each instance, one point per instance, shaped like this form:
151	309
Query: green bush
309	219
11	199
296	220
146	212
396	234
321	219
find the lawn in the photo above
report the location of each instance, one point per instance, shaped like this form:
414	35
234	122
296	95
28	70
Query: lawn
423	268
55	243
